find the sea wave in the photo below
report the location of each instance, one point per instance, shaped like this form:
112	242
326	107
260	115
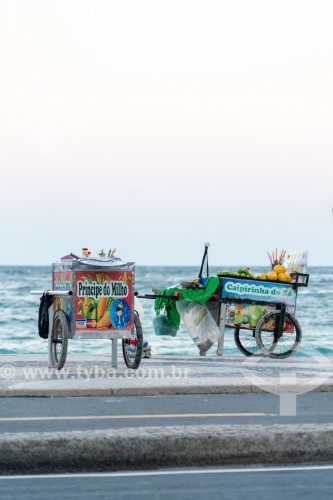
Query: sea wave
19	312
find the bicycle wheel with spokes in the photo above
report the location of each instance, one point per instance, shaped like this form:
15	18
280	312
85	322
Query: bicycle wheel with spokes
132	347
246	342
59	340
278	346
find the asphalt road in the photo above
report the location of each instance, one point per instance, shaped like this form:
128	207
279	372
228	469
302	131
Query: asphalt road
254	483
54	414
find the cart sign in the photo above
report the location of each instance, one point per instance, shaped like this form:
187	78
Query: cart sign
233	288
104	300
62	281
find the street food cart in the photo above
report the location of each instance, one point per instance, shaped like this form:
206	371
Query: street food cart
260	309
262	315
93	299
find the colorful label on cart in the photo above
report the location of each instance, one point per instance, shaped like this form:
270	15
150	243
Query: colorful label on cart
242	315
62	281
233	288
104	300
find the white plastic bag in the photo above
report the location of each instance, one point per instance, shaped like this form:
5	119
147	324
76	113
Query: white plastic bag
138	307
199	323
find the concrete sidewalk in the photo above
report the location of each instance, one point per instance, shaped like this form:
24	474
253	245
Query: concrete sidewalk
165	446
29	375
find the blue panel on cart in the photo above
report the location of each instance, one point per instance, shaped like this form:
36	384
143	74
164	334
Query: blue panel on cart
265	291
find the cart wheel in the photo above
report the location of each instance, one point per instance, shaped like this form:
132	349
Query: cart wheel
59	340
246	342
132	348
278	347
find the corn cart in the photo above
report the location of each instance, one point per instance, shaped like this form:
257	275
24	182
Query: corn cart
93	299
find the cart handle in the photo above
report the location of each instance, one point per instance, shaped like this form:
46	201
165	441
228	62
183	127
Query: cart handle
57	293
156	296
175	296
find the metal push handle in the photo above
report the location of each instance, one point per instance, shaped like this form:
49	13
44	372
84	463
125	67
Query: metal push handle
56	293
204	261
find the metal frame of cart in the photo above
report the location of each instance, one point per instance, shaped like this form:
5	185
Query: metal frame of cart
275	332
82	283
277	300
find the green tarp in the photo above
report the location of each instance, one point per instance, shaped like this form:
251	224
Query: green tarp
200	295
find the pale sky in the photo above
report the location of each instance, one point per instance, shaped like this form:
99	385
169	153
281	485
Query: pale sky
153	126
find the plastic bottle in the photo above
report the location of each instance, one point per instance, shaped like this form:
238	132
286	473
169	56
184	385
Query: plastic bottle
231	314
303	262
303	266
84	252
238	314
291	263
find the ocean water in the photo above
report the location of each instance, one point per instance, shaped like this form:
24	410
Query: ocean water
19	312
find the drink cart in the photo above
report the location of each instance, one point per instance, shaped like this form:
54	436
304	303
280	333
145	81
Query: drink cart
261	312
262	315
93	299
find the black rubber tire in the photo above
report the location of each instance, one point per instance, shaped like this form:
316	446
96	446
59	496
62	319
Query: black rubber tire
133	358
59	340
246	342
272	346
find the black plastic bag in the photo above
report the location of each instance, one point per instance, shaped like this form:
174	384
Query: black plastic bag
43	316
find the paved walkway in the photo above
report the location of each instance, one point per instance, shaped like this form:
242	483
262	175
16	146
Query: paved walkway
135	447
29	375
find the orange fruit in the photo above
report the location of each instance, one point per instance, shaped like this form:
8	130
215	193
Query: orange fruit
279	269
272	276
284	277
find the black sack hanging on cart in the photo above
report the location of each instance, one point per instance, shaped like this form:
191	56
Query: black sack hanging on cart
43	316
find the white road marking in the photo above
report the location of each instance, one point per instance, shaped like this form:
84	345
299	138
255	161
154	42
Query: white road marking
121	417
251	470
